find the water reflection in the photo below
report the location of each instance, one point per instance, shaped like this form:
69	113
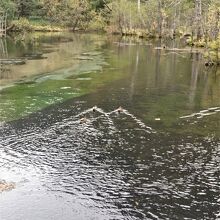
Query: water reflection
134	75
58	53
114	166
194	78
5	72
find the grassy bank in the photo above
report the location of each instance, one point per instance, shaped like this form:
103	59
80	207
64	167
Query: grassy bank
28	25
209	48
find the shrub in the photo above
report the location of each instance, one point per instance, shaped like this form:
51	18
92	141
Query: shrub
97	22
22	25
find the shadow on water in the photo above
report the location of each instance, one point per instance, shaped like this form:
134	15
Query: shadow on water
119	165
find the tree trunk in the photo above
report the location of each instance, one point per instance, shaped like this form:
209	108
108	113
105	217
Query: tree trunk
174	24
198	19
75	24
216	32
139	6
160	19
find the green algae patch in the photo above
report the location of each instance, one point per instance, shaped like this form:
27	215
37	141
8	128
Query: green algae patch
27	97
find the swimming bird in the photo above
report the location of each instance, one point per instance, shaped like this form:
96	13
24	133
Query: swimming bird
120	110
94	108
83	120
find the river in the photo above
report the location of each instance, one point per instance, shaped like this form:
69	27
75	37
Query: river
158	158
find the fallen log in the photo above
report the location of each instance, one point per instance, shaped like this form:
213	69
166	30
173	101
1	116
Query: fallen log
12	61
188	50
34	56
91	53
83	58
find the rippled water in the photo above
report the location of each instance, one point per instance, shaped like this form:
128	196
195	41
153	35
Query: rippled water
158	159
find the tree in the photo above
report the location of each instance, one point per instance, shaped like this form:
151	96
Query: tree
71	13
26	8
9	6
198	19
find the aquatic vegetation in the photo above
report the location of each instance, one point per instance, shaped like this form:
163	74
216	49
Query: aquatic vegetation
37	92
67	136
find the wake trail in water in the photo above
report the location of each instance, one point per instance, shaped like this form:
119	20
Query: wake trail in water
92	117
116	160
202	113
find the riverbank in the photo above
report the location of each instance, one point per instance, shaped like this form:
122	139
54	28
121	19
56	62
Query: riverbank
27	25
208	48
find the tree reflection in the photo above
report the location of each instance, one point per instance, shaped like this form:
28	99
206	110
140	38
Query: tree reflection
134	75
194	79
5	71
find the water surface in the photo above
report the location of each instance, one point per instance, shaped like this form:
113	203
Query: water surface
159	159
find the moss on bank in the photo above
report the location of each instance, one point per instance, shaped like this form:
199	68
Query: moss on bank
25	25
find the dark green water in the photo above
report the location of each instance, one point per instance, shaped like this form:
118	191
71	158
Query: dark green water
159	159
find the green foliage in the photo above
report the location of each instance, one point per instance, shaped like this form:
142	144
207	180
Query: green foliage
25	25
98	22
26	7
214	45
22	25
70	13
128	19
9	6
97	4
